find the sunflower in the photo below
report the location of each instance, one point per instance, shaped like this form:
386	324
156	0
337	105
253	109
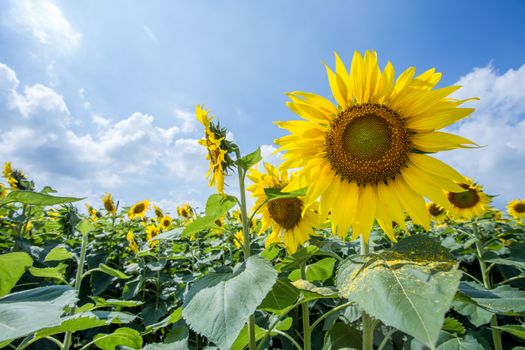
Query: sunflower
93	214
218	148
437	212
239	240
365	156
516	209
185	211
3	191
133	246
288	218
158	212
7	170
138	209
165	222
151	232
470	202
109	204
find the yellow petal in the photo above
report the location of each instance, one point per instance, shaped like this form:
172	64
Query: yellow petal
439	141
412	202
366	212
435	166
338	87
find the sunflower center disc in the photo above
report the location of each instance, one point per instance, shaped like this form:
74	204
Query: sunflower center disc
464	200
286	211
435	210
139	208
519	208
367	143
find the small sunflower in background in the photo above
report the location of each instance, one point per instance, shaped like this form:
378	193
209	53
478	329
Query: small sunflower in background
133	246
437	212
158	212
185	211
93	214
16	178
290	222
151	232
218	149
3	190
165	222
516	209
138	209
109	204
239	240
364	157
470	202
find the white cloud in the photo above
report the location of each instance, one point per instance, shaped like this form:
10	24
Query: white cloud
44	21
498	124
150	34
269	156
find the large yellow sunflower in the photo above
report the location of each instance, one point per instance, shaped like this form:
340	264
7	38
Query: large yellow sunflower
470	202
109	204
216	155
138	209
516	209
364	157
288	218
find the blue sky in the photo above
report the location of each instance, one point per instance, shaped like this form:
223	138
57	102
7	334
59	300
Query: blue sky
99	96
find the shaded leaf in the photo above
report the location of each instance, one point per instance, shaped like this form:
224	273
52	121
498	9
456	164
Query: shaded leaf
12	267
58	253
36	198
121	337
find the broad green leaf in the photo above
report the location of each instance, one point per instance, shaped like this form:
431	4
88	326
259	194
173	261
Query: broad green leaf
170	235
219	204
56	272
218	305
270	253
28	311
294	261
112	272
477	315
343	336
275	193
243	339
179	345
121	337
174	317
36	198
85	226
199	224
285	324
502	300
409	288
282	296
249	160
319	271
453	325
177	334
78	322
58	253
117	317
101	302
449	342
12	267
516	330
311	292
152	312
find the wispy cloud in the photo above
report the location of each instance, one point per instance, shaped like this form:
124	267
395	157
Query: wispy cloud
150	34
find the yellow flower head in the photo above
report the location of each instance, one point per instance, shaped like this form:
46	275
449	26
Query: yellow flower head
93	214
437	212
239	240
109	204
133	246
138	209
8	170
152	231
3	190
516	209
364	156
288	218
468	203
217	147
158	212
165	222
29	226
185	211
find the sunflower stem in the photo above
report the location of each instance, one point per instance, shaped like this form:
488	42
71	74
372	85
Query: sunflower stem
246	236
307	331
368	322
485	275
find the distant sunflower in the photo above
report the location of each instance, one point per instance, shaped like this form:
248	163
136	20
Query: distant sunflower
290	222
185	211
158	212
7	170
364	156
133	246
109	204
516	209
437	212
468	203
151	232
165	222
218	149
239	239
138	209
93	214
3	190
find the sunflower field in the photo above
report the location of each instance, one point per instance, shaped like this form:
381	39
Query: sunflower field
359	239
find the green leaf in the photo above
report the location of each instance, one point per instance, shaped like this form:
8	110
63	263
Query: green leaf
58	253
56	272
78	322
112	272
409	288
174	317
294	261
343	336
275	193
270	253
449	342
218	205
85	226
101	302
243	339
179	345
218	305
285	324
249	160
36	198
115	316
282	296
502	300
152	312
170	235
12	267
453	325
477	315
121	337
28	311
516	330
319	271
311	292
199	224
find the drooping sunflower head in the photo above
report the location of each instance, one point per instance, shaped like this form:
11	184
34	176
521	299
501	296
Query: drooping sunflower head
158	212
133	246
516	209
151	232
7	170
138	209
218	148
165	222
109	204
470	202
365	156
290	221
437	212
16	178
185	211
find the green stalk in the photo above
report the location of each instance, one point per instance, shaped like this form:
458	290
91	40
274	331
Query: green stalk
78	282
368	322
485	275
307	335
246	236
